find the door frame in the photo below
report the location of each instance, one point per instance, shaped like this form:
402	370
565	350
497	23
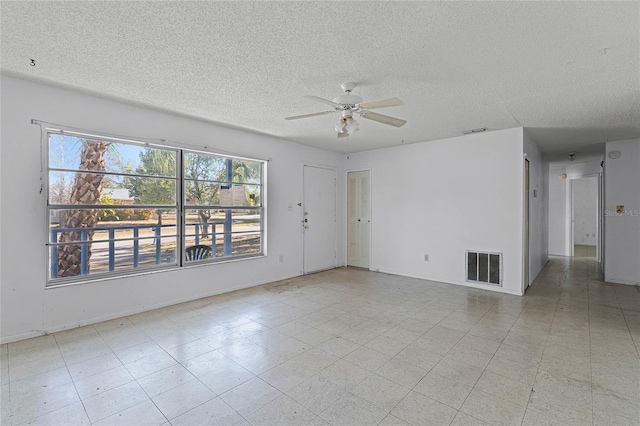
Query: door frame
571	220
600	221
526	232
346	213
301	217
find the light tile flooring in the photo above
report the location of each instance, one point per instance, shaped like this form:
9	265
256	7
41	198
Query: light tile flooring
584	251
346	347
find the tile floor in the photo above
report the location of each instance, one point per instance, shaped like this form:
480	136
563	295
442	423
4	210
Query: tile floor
346	347
584	251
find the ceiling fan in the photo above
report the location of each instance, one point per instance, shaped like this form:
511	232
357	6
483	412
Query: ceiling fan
349	105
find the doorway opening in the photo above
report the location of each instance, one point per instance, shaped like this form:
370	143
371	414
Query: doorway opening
585	227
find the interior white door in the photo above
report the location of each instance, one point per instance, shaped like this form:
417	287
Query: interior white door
358	219
319	219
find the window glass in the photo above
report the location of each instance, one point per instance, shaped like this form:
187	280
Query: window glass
223	206
114	207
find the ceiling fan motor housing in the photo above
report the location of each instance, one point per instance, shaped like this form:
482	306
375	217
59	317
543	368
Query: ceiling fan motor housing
347	101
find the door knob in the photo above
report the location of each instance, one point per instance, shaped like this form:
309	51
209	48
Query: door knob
306	227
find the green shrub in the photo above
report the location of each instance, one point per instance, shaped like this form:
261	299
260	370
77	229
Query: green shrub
144	214
125	214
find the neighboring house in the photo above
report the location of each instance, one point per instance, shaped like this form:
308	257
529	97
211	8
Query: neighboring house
119	195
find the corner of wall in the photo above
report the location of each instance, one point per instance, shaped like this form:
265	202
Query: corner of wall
621	212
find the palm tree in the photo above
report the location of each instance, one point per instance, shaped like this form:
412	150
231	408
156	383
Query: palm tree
245	171
87	189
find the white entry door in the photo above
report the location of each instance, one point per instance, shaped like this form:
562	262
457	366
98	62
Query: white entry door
319	219
358	220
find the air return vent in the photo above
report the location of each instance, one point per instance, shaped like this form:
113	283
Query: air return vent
484	267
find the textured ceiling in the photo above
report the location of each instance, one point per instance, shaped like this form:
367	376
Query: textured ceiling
569	71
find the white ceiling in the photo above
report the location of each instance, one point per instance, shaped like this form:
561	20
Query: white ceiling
569	71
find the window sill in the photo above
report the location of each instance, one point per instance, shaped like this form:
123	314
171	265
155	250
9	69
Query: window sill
100	278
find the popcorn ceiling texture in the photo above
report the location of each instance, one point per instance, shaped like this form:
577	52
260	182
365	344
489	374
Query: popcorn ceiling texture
568	71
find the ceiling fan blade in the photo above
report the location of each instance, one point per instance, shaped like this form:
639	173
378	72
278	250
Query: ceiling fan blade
384	119
295	117
391	102
324	101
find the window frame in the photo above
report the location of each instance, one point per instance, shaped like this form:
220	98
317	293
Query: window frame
180	209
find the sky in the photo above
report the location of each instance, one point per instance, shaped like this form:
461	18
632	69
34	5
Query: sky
64	152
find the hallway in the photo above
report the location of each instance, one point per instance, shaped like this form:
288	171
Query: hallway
589	363
349	347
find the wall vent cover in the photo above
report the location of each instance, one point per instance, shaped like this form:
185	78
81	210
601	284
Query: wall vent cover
484	267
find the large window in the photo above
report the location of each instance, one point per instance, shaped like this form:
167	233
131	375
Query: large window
116	207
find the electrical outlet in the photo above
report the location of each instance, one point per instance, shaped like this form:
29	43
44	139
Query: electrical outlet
281	258
290	207
426	257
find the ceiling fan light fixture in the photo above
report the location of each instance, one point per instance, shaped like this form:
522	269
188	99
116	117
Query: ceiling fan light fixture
352	125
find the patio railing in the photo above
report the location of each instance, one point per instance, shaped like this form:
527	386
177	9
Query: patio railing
84	242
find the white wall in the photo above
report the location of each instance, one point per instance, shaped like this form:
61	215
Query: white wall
622	231
538	206
585	211
443	197
559	212
29	309
438	198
